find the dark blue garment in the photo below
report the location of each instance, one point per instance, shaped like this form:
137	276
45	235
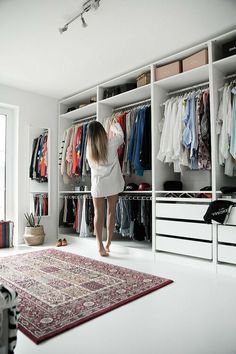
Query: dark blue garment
138	146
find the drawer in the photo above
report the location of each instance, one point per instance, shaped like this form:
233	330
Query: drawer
227	254
227	234
184	229
181	211
185	247
232	217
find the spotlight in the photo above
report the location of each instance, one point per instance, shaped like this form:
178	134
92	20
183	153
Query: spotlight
87	6
95	4
63	29
84	24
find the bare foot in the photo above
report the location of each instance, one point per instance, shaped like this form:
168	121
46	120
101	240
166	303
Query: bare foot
107	248
103	252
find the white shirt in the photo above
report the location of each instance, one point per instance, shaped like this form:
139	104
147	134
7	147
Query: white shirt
106	178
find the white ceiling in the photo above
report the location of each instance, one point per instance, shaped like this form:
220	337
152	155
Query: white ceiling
121	35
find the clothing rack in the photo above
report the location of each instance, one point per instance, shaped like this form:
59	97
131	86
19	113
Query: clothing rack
228	77
85	119
125	197
203	84
131	105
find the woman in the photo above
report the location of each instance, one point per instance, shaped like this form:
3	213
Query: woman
106	178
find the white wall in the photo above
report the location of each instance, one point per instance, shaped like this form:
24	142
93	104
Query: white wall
36	111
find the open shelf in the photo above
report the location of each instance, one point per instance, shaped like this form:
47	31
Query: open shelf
226	65
128	97
79	97
82	112
126	78
74	192
185	79
184	200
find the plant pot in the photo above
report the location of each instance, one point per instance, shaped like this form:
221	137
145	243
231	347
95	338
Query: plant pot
34	236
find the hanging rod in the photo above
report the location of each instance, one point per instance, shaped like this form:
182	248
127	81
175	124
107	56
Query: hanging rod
230	76
132	105
227	78
189	88
86	119
125	197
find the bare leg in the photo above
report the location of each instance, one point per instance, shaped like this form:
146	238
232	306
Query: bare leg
111	215
98	223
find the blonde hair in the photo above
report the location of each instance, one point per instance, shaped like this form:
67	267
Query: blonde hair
97	142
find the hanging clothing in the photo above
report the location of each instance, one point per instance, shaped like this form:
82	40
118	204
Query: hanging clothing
185	132
226	131
41	204
72	157
133	219
39	158
106	178
146	146
233	126
135	154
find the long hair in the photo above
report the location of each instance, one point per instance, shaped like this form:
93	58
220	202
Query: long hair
97	142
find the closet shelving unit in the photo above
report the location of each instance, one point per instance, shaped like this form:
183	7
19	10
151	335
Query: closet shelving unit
222	69
177	222
37	188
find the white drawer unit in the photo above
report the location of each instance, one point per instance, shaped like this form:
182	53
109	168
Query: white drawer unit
184	247
180	229
227	254
181	211
183	229
227	234
227	244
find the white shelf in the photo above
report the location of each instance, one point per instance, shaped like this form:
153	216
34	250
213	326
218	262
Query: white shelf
39	192
128	97
226	65
136	192
74	192
181	192
126	78
82	112
185	79
80	97
189	200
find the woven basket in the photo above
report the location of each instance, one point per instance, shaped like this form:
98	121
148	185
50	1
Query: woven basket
34	236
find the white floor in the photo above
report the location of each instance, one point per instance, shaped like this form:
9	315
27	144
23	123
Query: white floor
194	315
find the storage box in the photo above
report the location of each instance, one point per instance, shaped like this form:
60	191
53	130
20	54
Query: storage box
144	79
168	70
195	60
229	48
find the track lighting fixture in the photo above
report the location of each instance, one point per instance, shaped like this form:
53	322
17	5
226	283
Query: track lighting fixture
84	24
87	6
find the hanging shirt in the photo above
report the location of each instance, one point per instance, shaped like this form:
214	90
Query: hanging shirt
233	126
106	178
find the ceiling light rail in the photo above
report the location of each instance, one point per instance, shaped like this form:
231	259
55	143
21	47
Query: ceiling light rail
87	6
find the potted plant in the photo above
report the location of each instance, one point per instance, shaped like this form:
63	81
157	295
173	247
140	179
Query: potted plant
34	233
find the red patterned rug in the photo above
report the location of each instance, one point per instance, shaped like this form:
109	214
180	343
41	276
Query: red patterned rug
60	290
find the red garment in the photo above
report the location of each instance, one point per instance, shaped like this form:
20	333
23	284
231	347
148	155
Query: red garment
75	154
